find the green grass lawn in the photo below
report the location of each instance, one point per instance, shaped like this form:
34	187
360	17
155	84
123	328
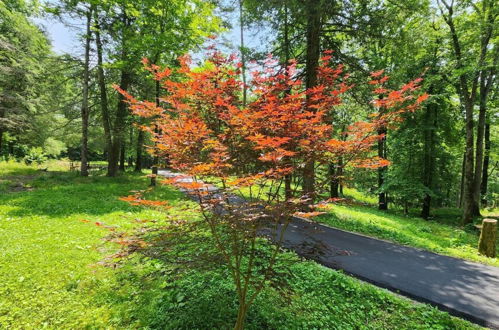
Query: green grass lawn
443	234
53	274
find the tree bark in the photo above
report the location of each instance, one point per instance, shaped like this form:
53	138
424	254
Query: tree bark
106	121
140	143
479	146
243	55
154	168
119	127
85	111
130	142
122	111
486	161
312	61
382	199
122	157
430	127
468	195
461	190
382	131
334	183
288	191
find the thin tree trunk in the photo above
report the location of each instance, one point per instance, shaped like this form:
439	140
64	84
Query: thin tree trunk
479	147
486	161
312	61
382	198
243	55
288	191
121	113
241	316
334	183
468	169
340	176
106	121
130	158
156	130
85	112
429	151
119	127
140	143
335	172
461	190
122	156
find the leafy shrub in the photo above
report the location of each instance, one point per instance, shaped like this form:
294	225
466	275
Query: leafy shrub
35	155
53	147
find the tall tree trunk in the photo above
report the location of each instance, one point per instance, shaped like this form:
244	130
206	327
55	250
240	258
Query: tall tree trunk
336	172
243	55
106	121
140	143
382	131
429	151
460	202
156	130
122	110
486	161
130	158
340	176
480	132
486	80
122	156
382	199
119	126
334	183
288	191
312	61
85	111
469	195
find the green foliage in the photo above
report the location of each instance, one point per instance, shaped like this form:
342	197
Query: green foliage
35	156
53	147
52	275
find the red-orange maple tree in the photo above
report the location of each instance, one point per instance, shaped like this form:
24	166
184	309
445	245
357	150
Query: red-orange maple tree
206	132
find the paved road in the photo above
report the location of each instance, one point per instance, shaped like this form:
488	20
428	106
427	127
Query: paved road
466	289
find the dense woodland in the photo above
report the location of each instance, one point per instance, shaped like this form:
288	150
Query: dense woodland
376	117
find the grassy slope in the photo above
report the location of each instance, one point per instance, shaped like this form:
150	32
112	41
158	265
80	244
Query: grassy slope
51	276
442	234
